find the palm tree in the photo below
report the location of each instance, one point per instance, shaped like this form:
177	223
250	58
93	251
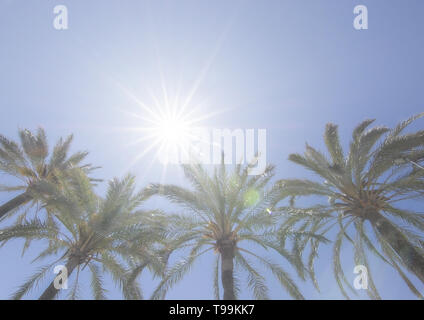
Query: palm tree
162	250
224	210
109	233
29	163
365	189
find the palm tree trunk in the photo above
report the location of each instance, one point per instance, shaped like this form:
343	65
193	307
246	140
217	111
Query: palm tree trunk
51	292
227	269
14	203
400	244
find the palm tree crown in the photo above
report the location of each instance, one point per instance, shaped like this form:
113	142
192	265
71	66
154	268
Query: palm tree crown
363	189
29	162
110	233
226	209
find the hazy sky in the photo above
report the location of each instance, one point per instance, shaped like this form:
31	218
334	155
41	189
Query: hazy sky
287	66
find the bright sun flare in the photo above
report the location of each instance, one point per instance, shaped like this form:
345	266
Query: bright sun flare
167	126
167	130
168	133
172	135
172	130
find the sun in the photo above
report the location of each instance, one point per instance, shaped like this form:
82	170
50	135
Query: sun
172	134
172	130
167	129
167	126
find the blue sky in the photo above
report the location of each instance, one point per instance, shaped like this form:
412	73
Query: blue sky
288	66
